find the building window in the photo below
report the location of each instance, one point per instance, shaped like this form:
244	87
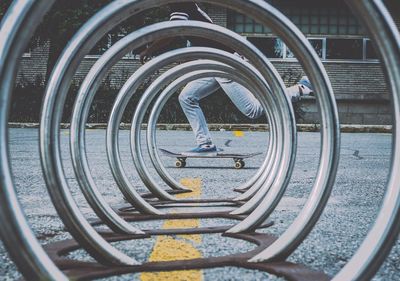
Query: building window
270	47
333	20
319	45
326	48
274	48
344	49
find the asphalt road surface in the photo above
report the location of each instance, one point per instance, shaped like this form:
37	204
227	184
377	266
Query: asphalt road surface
352	208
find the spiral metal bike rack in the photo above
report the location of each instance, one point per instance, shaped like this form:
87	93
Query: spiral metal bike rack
262	192
139	113
151	136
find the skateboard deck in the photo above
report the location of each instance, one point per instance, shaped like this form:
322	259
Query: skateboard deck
181	158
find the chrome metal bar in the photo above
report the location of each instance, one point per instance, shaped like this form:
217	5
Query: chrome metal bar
266	188
25	250
85	97
148	96
84	40
56	92
266	14
384	233
192	29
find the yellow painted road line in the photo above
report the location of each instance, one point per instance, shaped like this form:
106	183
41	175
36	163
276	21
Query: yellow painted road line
238	133
179	247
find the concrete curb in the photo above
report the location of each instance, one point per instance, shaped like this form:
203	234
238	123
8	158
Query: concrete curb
345	128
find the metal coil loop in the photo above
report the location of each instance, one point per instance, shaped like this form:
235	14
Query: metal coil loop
262	192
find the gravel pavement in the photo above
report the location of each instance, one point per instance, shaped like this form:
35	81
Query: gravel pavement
351	210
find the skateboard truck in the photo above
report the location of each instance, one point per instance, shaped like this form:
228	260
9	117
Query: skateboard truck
239	163
180	162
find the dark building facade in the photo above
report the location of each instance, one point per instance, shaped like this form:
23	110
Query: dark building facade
340	41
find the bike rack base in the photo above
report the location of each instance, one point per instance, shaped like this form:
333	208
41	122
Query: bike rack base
81	270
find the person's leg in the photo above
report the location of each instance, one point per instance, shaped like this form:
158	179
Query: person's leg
189	99
247	103
242	98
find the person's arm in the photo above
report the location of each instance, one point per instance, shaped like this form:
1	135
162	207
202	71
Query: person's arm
180	12
183	11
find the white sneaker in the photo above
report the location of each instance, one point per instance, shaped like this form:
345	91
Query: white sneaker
304	90
207	149
305	86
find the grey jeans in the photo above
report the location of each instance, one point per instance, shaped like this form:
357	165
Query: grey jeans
196	90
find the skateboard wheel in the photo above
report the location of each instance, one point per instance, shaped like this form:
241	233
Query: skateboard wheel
180	164
239	164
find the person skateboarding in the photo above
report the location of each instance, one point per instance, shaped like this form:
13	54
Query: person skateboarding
198	89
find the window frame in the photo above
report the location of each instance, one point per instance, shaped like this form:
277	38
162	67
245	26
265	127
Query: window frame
324	48
323	39
339	21
361	39
365	42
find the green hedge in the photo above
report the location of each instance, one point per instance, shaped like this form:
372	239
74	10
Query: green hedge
27	100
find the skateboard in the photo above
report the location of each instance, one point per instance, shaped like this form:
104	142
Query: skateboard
181	158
